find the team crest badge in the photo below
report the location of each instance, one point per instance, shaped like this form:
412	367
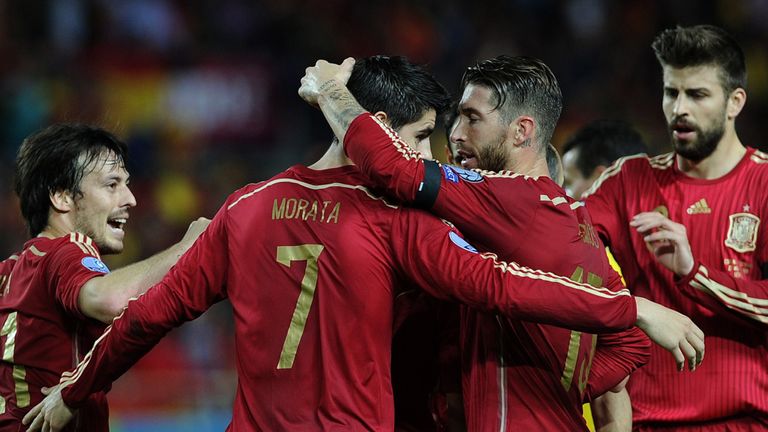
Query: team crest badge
742	232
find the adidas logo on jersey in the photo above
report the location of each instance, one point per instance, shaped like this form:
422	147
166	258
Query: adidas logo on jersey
699	207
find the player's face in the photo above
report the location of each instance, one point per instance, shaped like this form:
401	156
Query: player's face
451	147
694	105
575	183
416	134
102	210
480	133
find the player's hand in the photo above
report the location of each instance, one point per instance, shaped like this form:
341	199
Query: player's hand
672	331
667	240
193	232
50	415
321	78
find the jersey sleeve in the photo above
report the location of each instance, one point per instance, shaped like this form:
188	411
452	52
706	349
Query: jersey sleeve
616	356
70	267
195	283
445	190
440	261
718	289
604	202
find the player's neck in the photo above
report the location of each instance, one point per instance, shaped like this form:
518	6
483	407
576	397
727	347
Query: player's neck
528	163
56	227
334	157
726	156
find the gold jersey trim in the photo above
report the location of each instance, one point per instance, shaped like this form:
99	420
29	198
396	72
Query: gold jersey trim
409	153
521	271
84	243
610	172
756	308
363	189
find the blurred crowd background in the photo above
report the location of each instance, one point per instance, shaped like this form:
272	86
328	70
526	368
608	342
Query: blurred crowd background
204	92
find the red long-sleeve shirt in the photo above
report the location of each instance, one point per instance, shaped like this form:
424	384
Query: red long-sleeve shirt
310	261
44	333
726	294
517	375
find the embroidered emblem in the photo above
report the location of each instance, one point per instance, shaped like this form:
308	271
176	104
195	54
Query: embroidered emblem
742	232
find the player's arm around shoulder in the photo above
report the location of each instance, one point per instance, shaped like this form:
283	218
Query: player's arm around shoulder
104	297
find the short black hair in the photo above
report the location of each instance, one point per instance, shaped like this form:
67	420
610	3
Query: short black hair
394	85
56	159
601	142
521	85
703	45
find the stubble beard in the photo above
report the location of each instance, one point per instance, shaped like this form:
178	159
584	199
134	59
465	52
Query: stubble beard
493	157
703	146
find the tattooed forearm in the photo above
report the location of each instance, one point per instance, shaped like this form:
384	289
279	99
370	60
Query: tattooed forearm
339	106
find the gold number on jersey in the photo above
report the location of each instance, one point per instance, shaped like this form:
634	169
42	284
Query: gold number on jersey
19	373
285	255
573	346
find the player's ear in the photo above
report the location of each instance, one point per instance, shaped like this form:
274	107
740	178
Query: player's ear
381	115
736	102
62	201
522	129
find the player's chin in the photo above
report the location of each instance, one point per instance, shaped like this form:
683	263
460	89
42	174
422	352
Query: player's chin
111	247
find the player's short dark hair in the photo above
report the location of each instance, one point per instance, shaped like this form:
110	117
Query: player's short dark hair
703	45
394	85
601	142
56	159
520	85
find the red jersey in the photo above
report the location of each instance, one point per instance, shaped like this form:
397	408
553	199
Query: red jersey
517	375
725	295
310	261
43	331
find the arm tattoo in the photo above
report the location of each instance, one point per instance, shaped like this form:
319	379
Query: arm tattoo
341	106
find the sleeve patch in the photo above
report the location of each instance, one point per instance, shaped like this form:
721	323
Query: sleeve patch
460	242
449	174
465	174
94	264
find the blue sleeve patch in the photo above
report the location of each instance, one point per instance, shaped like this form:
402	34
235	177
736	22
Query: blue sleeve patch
460	242
468	175
94	264
450	175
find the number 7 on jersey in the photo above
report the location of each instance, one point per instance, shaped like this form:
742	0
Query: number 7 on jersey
285	255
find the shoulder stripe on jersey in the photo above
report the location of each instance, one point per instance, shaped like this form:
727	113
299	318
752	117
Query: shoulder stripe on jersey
662	159
756	308
72	239
610	172
13	257
555	200
759	159
363	189
518	270
35	251
86	241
